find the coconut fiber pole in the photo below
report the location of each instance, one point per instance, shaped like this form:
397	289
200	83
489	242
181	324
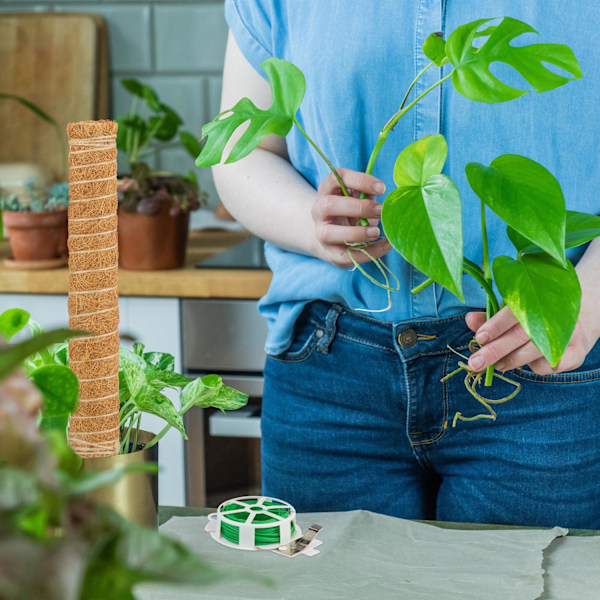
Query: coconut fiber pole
93	295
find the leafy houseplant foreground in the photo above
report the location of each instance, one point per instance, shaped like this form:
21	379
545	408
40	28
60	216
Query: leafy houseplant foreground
55	543
422	217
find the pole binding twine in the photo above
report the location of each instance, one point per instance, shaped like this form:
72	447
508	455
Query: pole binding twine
93	294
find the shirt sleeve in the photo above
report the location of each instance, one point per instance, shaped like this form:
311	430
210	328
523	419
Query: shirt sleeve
250	24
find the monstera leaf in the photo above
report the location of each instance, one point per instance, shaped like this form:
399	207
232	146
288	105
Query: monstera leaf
544	296
434	48
472	77
526	196
422	218
581	228
287	88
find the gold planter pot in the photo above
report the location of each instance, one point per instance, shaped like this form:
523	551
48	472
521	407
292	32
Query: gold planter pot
135	495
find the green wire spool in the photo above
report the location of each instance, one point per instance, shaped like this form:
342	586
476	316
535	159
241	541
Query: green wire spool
255	523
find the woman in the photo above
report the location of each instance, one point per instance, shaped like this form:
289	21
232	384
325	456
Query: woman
354	414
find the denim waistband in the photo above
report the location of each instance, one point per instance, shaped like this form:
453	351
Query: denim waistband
410	338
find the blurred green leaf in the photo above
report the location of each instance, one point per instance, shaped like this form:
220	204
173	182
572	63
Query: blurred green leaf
12	356
133	86
60	388
17	488
151	98
544	296
12	321
422	218
526	196
164	127
86	481
472	77
287	89
190	143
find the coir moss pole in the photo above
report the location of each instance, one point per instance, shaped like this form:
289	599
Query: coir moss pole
93	295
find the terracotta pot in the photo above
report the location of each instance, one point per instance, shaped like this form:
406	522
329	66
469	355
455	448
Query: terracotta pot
152	242
36	235
135	495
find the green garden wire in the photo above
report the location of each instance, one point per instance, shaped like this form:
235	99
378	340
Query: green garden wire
263	536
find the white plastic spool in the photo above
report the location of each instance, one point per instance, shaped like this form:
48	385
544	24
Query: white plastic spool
255	505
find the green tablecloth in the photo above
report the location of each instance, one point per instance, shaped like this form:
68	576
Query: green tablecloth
365	555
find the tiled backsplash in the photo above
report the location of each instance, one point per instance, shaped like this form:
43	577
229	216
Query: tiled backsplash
176	46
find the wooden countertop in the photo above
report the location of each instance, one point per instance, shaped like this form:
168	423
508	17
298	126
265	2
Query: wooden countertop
178	283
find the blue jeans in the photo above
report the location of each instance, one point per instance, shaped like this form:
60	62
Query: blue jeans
353	419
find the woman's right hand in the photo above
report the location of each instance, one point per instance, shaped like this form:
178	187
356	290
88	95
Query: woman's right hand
336	218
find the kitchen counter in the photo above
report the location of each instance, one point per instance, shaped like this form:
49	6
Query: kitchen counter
187	282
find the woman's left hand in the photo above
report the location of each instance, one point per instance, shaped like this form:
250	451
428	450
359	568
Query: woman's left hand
506	345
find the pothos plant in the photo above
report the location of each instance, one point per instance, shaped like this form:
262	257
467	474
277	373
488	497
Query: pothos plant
539	284
143	377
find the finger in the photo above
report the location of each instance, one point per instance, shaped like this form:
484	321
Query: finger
497	349
475	320
361	182
340	258
498	325
524	355
343	206
330	234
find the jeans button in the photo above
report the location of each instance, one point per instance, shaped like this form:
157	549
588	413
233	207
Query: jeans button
407	338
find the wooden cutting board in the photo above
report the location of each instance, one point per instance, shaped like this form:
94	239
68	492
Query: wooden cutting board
58	61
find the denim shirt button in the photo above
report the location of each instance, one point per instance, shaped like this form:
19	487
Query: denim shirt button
319	333
407	338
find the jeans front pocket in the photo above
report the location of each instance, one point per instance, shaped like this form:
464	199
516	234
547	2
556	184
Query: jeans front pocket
588	371
306	336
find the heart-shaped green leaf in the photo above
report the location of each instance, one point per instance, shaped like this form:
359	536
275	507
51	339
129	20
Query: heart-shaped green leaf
526	196
422	219
580	229
60	388
472	77
152	401
211	391
545	298
434	48
12	321
287	88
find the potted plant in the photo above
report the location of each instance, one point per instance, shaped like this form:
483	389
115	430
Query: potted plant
539	285
154	207
36	224
55	543
142	378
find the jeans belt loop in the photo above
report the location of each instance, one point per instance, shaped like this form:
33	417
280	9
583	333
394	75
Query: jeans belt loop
330	328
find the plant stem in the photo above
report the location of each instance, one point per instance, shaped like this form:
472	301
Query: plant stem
137	429
419	288
125	442
474	271
487	273
383	134
167	427
321	153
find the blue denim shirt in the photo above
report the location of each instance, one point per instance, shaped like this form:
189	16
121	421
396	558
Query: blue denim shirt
359	58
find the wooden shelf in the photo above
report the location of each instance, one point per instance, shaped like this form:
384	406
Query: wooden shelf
187	282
